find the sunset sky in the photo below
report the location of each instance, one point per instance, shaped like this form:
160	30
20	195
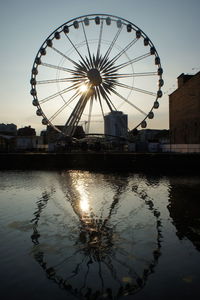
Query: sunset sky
173	26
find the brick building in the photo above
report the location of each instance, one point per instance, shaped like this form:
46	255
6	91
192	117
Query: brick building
184	111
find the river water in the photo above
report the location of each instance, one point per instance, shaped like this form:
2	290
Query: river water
88	235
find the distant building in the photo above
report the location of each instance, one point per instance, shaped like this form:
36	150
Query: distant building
153	135
151	139
53	135
26	131
8	129
184	110
30	143
116	124
162	136
7	143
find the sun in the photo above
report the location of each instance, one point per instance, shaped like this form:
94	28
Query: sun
83	88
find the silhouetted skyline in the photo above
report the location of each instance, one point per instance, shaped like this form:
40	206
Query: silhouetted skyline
172	26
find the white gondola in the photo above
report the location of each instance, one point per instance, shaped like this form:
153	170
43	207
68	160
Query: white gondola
34	71
43	51
108	21
38	61
144	124
35	102
151	115
129	28
38	112
97	20
161	82
146	41
160	71
44	121
159	94
86	21
156	105
66	29
49	43
33	92
138	34
119	23
33	81
157	60
57	35
152	50
76	25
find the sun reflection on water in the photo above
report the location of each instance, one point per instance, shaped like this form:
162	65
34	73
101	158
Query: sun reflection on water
84	198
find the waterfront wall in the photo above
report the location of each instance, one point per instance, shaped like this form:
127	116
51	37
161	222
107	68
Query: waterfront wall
181	148
133	162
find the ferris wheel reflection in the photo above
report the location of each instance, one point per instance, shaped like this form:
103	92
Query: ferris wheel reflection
98	265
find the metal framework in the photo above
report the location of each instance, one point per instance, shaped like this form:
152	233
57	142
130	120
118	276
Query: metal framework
93	65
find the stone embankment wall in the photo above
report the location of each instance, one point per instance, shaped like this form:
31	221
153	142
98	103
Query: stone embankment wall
133	162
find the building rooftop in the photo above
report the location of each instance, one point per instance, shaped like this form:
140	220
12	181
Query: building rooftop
183	78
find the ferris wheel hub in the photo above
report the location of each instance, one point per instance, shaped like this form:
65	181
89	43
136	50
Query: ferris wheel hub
94	77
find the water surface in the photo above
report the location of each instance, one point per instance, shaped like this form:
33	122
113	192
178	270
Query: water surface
87	235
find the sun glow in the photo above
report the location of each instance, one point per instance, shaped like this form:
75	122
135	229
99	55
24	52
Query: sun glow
84	205
83	88
84	199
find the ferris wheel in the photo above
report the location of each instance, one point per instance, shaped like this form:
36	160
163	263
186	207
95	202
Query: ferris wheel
93	66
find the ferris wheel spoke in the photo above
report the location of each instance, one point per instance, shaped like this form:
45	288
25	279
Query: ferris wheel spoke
130	103
112	270
69	79
123	65
135	89
89	115
82	69
73	87
116	57
73	97
100	102
118	75
76	114
96	61
88	48
73	117
108	85
106	98
75	48
65	56
100	275
104	59
63	107
57	67
99	42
